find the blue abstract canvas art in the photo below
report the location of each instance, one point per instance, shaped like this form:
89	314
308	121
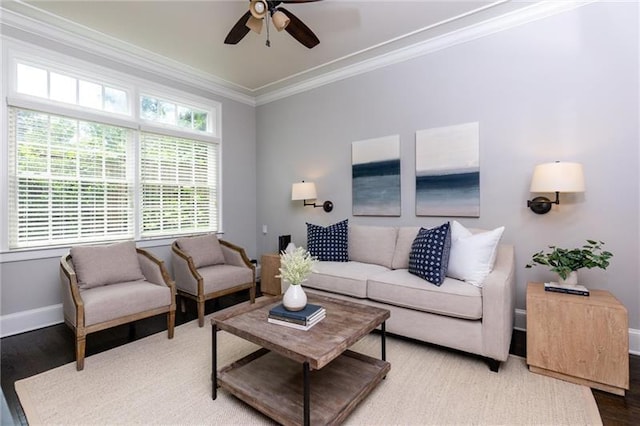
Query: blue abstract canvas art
375	167
448	171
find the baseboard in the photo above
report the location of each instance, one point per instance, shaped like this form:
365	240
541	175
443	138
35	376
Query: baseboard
33	319
520	323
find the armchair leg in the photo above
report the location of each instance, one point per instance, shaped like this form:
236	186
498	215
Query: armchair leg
200	313
183	305
80	349
252	294
171	321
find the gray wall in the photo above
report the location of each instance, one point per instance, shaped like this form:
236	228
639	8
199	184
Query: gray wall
33	284
562	88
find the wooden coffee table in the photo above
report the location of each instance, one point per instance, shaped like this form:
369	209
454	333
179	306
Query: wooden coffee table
302	376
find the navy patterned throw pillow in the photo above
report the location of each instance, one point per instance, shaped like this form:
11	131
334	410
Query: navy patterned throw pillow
429	257
330	243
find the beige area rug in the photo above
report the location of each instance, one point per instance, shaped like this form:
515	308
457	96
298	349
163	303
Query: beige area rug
160	381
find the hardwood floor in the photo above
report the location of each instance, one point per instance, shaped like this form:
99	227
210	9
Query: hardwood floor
31	353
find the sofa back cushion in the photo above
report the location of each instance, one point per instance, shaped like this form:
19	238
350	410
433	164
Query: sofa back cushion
96	266
406	235
204	250
372	244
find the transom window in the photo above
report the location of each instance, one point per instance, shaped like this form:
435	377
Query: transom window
77	176
58	87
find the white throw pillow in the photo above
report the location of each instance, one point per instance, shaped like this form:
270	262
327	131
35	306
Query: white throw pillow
472	255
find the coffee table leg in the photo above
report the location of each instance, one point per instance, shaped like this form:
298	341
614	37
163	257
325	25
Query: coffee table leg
305	376
214	361
384	341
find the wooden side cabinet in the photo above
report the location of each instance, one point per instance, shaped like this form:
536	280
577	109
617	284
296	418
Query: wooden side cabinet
269	284
581	339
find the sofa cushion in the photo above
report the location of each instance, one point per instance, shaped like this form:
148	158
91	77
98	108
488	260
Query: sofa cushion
329	243
429	255
105	303
472	254
406	235
400	288
106	264
372	244
348	278
204	250
222	277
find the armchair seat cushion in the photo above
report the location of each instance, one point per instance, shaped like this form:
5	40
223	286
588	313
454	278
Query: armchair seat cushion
222	277
106	303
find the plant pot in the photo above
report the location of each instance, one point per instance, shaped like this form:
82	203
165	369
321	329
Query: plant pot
572	279
294	298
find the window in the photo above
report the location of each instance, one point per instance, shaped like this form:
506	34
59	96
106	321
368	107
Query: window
70	180
59	87
77	175
178	178
175	114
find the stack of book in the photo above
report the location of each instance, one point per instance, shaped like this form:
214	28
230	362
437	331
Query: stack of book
580	290
301	320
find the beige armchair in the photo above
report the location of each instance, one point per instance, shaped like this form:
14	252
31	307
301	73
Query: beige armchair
106	286
206	268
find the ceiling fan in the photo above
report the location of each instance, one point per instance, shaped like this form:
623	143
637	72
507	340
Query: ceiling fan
282	19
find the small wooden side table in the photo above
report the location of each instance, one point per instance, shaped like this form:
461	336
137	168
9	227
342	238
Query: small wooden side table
269	284
580	339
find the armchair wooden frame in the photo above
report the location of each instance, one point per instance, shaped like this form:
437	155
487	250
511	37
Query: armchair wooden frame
201	297
81	331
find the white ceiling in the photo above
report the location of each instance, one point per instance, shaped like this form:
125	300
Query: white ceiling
191	33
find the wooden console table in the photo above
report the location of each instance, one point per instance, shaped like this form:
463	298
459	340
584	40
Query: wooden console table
269	284
580	339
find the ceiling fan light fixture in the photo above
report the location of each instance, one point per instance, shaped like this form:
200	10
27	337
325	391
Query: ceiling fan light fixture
258	8
254	24
280	20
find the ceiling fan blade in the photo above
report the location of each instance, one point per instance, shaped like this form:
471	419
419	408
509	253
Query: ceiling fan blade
299	30
239	30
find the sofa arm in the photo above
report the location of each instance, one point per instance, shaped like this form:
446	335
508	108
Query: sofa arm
186	276
154	270
498	305
236	256
72	304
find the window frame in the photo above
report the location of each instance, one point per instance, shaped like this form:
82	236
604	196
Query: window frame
14	52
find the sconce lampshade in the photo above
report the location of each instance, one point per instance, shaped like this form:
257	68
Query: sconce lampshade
558	177
303	191
280	20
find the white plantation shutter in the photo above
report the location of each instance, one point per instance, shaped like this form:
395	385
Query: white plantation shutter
70	181
179	180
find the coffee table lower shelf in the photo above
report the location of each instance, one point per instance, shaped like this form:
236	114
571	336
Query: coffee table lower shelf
273	384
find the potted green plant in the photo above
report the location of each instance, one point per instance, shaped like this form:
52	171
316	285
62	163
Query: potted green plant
565	262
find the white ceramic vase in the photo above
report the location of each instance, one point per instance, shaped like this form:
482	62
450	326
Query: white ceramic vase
572	279
294	298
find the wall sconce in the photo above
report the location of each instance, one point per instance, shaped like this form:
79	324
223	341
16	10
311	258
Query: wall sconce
307	191
554	177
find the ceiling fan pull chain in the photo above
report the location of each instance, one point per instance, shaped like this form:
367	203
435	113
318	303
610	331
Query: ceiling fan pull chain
266	18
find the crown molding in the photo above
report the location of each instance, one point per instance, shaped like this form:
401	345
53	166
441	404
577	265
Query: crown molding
504	22
85	39
78	37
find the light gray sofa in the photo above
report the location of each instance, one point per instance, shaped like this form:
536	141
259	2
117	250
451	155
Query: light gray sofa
458	315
